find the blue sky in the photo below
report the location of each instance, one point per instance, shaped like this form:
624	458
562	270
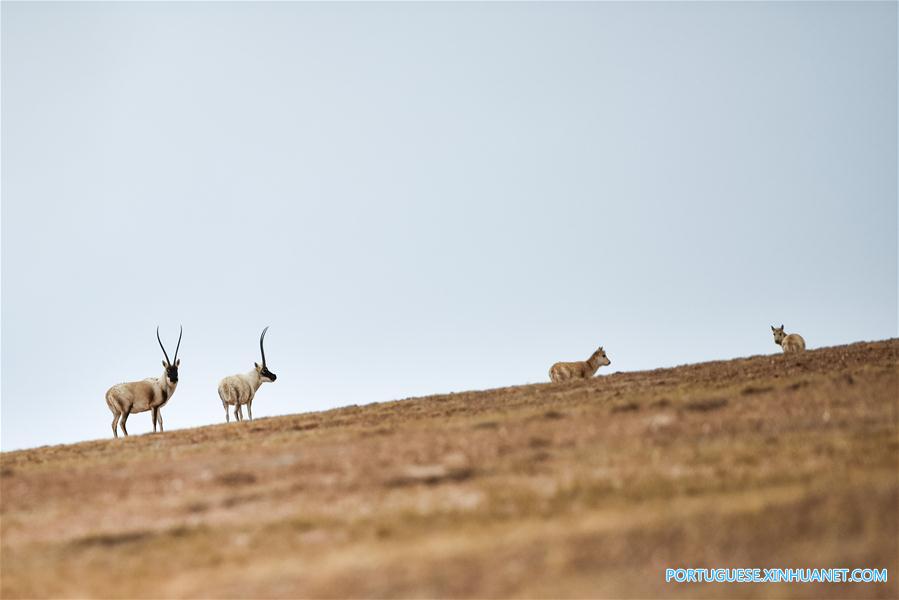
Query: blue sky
423	198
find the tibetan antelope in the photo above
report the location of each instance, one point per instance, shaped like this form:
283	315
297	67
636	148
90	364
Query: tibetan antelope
790	342
150	394
237	390
565	371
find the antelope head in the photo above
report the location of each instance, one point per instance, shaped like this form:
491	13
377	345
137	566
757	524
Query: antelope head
262	369
171	368
600	357
779	334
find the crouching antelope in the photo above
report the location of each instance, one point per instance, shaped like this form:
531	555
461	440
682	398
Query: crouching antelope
564	371
140	396
237	390
790	342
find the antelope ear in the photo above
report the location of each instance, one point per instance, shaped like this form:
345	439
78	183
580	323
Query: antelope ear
772	328
165	364
781	325
178	363
257	366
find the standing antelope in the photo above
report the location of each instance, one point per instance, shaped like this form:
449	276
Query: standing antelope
150	394
563	371
240	389
790	342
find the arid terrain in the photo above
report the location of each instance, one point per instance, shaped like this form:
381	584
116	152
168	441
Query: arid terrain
586	489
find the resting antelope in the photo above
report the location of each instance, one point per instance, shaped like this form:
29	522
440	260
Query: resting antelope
237	390
150	394
790	342
564	371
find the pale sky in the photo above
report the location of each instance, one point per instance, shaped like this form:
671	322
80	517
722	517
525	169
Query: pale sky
422	198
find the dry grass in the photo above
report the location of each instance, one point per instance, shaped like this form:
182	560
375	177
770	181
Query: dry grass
584	489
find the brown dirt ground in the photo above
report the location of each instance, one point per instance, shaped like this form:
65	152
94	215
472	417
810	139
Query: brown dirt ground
586	489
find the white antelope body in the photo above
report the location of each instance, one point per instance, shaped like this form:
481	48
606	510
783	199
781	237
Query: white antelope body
790	342
149	394
237	390
585	369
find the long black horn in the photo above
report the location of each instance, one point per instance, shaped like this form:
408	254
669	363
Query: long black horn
163	347
179	343
261	348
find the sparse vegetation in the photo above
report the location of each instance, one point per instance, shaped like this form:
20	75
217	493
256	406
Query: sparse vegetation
589	488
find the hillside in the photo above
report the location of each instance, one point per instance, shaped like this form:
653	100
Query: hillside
587	489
